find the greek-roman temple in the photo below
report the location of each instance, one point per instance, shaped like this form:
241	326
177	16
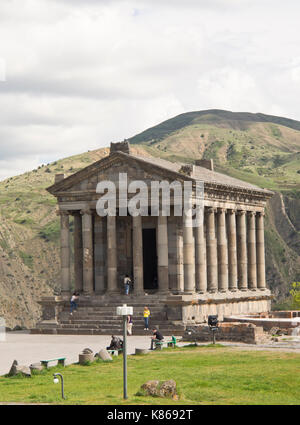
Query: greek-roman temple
183	273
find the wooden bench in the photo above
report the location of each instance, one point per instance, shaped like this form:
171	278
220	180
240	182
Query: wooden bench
170	343
60	360
115	352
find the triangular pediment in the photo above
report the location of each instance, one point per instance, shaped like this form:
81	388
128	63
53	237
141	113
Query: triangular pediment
109	168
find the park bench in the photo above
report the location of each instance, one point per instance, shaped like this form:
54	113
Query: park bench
169	343
60	360
115	352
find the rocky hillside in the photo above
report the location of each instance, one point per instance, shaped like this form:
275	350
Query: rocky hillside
261	149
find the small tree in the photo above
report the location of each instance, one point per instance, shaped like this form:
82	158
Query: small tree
295	293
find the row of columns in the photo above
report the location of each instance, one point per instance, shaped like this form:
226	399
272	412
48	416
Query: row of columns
229	258
235	254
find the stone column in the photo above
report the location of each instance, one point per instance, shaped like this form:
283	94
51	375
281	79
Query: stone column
222	251
88	260
65	252
232	254
251	248
112	283
260	251
162	253
211	251
175	249
242	251
137	245
99	247
200	256
188	255
78	264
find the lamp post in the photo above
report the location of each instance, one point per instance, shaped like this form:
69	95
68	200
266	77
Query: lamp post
213	323
124	311
56	381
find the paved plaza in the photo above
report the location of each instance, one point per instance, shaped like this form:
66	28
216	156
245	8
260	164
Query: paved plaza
27	348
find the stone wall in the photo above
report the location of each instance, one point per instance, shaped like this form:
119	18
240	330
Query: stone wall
196	309
235	332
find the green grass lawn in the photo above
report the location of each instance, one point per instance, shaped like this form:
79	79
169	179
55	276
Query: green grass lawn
204	375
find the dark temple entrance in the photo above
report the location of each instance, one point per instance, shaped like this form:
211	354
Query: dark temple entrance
150	259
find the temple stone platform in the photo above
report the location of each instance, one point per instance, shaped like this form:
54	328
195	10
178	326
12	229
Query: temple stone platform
96	315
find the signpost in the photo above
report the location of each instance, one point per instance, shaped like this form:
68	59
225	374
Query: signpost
124	311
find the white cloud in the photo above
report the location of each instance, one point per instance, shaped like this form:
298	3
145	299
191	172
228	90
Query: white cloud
81	74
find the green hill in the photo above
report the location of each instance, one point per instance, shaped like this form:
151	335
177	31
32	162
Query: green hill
258	148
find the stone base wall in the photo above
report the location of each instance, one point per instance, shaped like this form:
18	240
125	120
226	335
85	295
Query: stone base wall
235	332
196	309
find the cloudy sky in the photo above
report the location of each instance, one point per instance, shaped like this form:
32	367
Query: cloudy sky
78	74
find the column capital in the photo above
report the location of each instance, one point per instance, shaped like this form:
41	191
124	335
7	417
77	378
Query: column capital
260	213
86	211
241	212
211	210
221	210
231	211
251	213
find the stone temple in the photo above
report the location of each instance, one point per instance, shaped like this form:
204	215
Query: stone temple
181	273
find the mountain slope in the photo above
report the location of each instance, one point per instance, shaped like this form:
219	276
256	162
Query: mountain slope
257	148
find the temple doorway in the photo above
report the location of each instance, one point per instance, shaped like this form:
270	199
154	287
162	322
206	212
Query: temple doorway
150	259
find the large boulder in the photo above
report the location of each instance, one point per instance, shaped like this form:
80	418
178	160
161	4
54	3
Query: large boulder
19	369
150	387
165	389
168	389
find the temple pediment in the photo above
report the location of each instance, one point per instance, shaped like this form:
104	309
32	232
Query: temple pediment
110	168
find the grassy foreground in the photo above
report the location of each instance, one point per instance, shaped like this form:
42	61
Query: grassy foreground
204	375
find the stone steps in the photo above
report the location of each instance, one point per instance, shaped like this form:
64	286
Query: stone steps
98	317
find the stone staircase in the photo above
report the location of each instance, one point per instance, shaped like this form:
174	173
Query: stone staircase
99	317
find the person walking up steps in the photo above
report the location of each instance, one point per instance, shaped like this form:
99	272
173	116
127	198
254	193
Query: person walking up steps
146	318
73	304
127	283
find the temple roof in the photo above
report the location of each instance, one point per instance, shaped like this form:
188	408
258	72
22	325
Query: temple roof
178	170
201	173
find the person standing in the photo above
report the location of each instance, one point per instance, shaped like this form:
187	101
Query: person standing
129	325
146	315
127	283
73	304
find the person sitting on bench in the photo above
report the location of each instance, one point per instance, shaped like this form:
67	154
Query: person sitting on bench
157	336
115	344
